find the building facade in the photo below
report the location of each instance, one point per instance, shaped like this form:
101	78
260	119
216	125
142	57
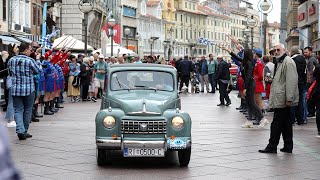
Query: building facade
292	24
151	28
283	24
4	17
273	39
190	26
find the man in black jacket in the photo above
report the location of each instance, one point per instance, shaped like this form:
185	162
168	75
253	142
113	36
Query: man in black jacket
223	78
185	68
298	111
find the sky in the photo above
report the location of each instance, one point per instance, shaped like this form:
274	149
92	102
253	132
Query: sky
274	15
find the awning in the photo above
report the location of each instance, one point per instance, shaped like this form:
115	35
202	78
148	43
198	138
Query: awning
23	39
9	40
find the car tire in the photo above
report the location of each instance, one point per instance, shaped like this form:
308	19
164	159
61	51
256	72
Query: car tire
102	158
184	157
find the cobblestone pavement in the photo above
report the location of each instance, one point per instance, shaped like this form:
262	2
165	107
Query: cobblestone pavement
63	147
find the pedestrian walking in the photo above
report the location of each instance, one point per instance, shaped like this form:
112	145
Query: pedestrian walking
203	72
311	63
212	69
185	68
223	78
22	68
284	94
98	76
297	112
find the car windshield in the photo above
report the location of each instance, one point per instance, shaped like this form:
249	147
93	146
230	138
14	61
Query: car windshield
149	80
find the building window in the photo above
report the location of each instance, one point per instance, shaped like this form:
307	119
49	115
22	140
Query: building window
181	17
199	51
34	14
187	50
186	19
129	12
204	51
187	34
185	5
189	5
194	7
176	33
181	35
175	17
4	10
190	34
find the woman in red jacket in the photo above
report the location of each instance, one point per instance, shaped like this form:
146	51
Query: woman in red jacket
258	77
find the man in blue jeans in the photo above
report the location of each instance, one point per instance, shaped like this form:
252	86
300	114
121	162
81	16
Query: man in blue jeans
212	68
22	68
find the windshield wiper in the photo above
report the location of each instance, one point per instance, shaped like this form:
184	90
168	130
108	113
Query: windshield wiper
121	85
145	87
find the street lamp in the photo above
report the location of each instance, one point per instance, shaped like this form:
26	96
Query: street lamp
127	32
252	23
151	41
85	6
265	6
138	40
111	23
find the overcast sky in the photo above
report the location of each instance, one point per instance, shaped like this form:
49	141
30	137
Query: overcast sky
274	15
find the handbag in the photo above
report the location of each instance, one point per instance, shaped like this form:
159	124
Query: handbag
76	82
309	94
8	80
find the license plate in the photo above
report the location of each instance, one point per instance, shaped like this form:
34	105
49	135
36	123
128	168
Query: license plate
143	152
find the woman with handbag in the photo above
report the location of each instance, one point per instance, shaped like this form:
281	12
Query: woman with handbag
74	80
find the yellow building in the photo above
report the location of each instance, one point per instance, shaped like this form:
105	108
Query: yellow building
190	25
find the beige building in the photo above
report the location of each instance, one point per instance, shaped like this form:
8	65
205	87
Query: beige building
273	35
292	16
190	25
217	27
4	17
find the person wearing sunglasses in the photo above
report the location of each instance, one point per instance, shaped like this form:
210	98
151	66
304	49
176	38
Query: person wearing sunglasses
283	95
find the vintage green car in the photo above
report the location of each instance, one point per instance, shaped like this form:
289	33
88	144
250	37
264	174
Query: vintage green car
141	114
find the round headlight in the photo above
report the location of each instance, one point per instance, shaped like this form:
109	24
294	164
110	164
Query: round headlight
177	122
109	122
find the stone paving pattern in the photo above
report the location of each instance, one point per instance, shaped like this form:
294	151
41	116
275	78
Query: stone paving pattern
63	147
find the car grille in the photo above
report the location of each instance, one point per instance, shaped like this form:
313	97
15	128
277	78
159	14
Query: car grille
143	127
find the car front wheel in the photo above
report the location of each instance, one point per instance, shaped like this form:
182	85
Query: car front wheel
184	157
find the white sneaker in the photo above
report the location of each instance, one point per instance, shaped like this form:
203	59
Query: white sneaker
263	123
247	124
12	124
318	136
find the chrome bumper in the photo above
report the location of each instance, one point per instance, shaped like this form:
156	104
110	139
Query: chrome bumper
120	144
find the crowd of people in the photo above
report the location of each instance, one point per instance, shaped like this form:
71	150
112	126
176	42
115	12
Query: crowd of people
283	78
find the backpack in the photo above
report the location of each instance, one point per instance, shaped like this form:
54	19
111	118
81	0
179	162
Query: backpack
76	82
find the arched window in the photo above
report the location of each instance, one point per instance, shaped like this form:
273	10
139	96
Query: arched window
143	8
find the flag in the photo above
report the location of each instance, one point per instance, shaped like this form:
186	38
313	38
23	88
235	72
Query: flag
44	24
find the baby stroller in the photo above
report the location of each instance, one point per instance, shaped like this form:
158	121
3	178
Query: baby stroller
195	83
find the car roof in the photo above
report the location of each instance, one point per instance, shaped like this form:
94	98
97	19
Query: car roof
142	65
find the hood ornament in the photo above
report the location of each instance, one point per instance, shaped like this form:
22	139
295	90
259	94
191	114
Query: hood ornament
144	106
144	110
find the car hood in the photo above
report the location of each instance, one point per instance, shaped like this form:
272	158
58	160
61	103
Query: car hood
145	103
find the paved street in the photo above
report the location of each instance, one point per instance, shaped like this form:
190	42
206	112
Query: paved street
63	147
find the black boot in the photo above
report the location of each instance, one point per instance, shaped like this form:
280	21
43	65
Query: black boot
58	105
47	109
35	111
241	105
52	109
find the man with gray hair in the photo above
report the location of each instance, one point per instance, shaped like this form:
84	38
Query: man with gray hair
297	112
284	94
